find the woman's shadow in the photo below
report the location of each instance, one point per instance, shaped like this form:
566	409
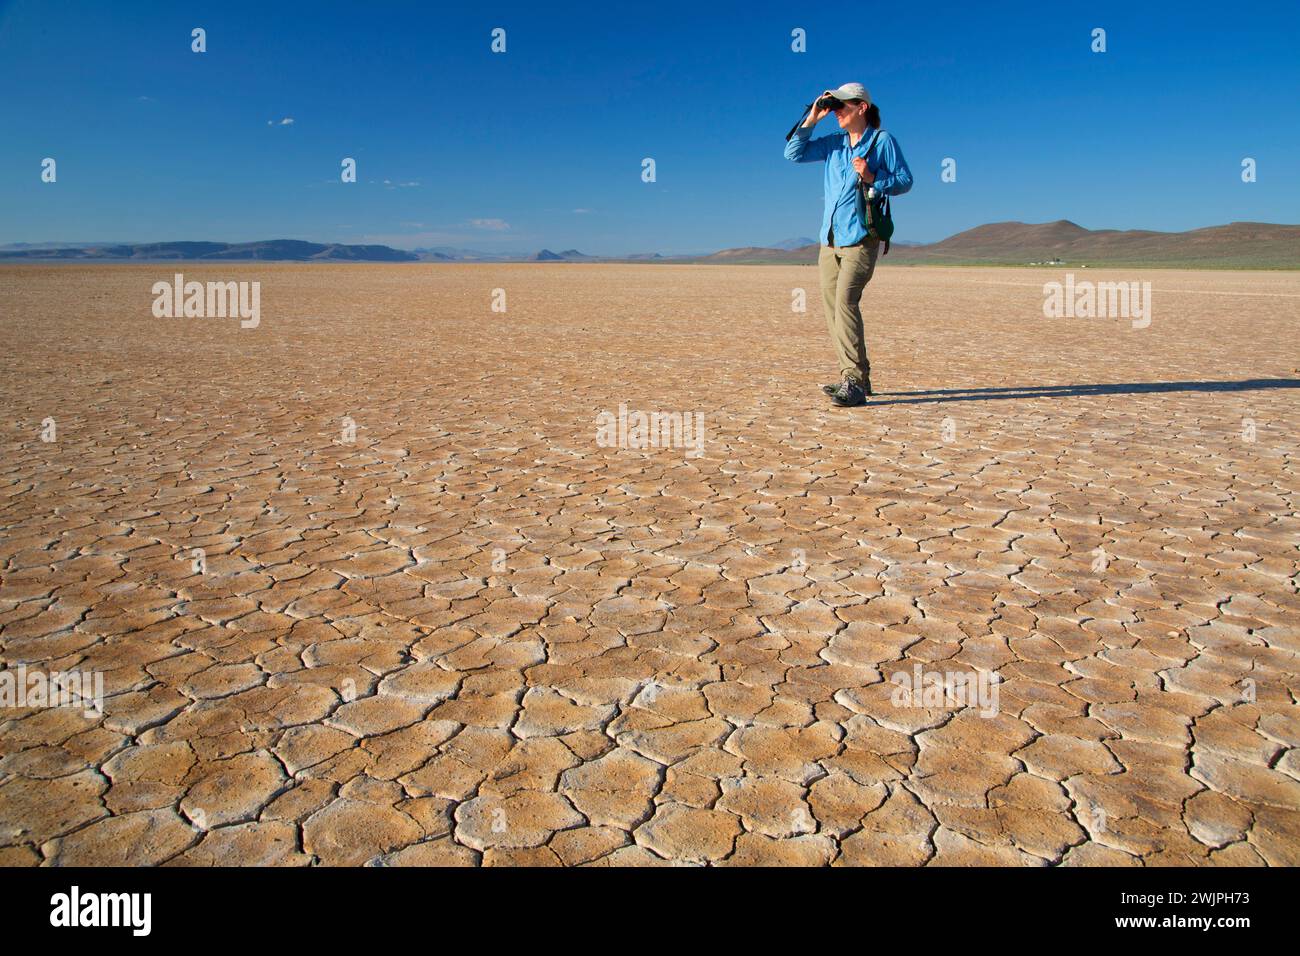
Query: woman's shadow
1070	391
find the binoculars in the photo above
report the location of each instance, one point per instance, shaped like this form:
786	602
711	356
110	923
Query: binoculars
825	101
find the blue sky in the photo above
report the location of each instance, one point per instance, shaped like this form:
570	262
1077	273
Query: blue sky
542	145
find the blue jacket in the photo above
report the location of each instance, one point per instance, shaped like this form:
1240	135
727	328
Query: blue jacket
885	161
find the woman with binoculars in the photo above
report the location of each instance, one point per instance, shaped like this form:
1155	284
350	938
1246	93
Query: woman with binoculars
862	163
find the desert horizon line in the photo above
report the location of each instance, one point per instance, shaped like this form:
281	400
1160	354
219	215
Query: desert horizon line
449	251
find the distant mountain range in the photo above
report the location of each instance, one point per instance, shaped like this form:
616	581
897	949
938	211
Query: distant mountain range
568	255
453	254
1239	245
292	250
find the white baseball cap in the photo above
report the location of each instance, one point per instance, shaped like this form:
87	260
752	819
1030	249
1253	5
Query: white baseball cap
852	91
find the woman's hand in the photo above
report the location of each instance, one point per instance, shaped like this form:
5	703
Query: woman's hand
864	174
817	113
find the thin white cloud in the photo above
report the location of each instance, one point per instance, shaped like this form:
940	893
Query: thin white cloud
581	211
496	225
285	121
407	240
438	234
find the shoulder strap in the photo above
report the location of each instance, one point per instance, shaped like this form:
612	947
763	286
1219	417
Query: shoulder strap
875	137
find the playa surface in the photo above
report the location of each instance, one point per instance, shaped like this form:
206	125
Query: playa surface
364	585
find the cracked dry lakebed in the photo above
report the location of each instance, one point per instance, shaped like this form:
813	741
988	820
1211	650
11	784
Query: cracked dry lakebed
368	585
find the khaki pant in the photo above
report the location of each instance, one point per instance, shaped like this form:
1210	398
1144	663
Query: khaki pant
845	272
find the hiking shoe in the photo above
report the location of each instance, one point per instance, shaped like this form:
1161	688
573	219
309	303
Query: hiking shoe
832	389
848	394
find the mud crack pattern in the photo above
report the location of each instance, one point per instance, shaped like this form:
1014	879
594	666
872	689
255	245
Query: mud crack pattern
473	636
